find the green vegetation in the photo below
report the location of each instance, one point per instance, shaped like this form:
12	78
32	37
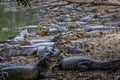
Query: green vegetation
5	35
23	2
9	18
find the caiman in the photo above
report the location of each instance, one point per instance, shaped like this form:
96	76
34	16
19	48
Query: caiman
27	72
85	64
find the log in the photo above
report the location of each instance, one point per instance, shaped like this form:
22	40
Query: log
108	3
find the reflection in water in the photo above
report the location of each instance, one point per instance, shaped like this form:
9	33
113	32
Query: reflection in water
14	16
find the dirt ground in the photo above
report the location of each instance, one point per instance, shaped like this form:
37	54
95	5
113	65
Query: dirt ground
106	48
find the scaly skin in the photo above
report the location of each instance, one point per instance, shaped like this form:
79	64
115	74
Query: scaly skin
85	64
99	33
24	51
27	72
1	59
95	31
21	72
56	37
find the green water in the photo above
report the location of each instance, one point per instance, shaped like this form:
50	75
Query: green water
19	18
5	35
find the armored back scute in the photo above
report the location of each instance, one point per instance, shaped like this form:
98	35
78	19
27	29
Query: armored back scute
86	64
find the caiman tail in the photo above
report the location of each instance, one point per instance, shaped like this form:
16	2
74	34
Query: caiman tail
111	65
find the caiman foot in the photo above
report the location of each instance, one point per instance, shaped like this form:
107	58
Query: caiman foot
84	66
1	58
3	75
53	67
42	75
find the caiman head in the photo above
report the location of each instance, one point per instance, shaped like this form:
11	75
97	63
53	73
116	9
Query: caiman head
45	59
